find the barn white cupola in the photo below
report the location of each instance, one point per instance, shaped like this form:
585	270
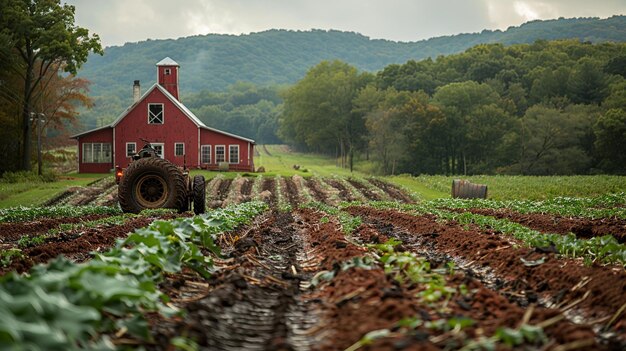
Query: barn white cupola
167	75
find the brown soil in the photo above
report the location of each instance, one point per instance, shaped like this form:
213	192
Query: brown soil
369	194
598	291
344	193
11	232
292	192
261	296
316	191
246	188
582	227
391	190
222	191
269	188
75	245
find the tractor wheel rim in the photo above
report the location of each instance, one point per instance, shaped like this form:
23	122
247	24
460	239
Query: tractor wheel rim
151	191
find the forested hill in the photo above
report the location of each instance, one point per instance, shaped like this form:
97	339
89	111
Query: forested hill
213	62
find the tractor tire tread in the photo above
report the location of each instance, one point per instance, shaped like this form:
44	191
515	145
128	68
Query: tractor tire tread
171	173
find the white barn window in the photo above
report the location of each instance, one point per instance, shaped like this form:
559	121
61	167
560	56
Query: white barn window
131	149
179	149
96	153
220	153
205	152
233	154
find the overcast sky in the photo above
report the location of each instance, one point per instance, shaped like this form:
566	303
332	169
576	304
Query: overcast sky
121	21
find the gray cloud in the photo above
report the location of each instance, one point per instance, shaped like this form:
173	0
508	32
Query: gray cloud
120	21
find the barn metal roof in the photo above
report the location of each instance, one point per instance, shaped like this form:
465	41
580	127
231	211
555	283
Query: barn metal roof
167	62
76	136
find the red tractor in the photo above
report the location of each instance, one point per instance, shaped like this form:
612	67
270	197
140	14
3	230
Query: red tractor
153	182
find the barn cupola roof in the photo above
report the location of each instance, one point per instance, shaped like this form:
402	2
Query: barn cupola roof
167	75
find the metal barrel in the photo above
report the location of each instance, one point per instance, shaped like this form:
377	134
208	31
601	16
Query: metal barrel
464	189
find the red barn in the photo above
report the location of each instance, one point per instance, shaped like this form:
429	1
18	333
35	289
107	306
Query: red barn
177	134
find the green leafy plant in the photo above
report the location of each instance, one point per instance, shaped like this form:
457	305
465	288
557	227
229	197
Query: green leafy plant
69	306
17	214
7	256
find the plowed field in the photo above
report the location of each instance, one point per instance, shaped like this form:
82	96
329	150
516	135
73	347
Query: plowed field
379	273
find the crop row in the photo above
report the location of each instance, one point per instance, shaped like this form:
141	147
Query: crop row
605	206
69	306
20	213
533	187
436	291
603	249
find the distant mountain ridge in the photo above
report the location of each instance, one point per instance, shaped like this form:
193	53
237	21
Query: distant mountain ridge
215	61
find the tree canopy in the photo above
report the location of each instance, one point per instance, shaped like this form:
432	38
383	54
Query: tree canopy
38	37
542	108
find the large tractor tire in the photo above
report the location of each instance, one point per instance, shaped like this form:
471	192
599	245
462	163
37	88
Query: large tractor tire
199	195
152	182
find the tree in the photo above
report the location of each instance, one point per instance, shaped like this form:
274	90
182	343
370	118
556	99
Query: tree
610	132
464	105
42	35
588	83
318	113
552	140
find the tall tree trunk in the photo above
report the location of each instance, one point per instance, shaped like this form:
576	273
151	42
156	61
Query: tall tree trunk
26	112
351	158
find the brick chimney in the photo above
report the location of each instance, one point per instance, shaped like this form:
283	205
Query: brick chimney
136	91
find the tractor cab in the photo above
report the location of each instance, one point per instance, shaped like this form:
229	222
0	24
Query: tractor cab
146	151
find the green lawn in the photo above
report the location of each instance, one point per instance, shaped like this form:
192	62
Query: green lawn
35	193
281	160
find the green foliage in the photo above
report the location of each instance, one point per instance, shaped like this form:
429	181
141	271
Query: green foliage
284	56
318	112
7	256
604	249
27	176
523	109
69	306
610	132
17	214
40	34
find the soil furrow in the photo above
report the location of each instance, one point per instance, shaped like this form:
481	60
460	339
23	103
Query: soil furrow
583	228
316	191
259	298
598	291
369	194
391	190
292	192
76	245
268	192
11	232
344	194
